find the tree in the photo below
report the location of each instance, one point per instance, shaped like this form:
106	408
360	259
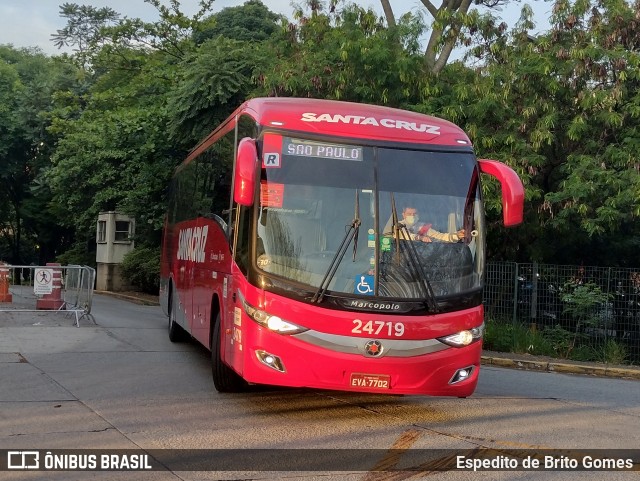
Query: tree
149	81
115	151
28	82
213	82
346	54
563	110
83	29
454	23
251	22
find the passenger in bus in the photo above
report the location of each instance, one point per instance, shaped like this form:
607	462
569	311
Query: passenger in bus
421	231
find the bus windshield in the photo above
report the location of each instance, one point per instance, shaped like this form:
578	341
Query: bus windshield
417	215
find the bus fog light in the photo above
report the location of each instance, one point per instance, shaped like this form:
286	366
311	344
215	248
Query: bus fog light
270	360
461	375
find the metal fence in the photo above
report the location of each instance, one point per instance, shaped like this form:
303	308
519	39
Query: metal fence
54	288
578	312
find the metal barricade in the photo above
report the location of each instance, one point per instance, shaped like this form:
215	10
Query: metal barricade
53	288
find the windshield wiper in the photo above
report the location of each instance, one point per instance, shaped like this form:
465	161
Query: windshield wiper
351	234
400	230
356	218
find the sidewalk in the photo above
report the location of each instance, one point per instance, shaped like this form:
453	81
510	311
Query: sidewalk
565	366
489	358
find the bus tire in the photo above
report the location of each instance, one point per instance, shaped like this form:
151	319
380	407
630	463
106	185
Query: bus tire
176	332
225	379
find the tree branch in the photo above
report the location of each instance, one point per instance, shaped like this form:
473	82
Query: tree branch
434	62
431	7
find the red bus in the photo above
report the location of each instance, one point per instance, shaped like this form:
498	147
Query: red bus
334	245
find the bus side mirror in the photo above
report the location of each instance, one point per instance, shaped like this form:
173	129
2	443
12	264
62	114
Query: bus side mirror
244	183
512	190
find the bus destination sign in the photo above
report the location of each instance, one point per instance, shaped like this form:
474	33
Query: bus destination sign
322	150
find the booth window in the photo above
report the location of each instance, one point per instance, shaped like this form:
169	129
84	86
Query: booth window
123	232
102	231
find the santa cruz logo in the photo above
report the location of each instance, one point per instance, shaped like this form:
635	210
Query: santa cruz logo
361	120
373	348
192	243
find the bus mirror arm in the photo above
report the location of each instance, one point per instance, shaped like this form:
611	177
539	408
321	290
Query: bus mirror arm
512	190
244	180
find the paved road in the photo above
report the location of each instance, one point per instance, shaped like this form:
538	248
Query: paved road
119	383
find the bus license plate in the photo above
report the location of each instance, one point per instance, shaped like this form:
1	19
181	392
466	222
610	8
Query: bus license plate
370	381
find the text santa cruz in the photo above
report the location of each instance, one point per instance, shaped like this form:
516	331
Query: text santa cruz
192	243
361	120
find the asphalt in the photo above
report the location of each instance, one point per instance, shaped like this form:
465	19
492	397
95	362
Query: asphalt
499	359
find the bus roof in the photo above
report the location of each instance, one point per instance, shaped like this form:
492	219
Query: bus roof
342	119
348	119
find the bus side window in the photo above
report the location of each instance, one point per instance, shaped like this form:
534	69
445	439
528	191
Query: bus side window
246	127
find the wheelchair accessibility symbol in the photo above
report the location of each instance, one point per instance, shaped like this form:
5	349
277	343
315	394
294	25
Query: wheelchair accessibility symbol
364	285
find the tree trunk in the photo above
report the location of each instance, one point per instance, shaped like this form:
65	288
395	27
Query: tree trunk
388	13
435	62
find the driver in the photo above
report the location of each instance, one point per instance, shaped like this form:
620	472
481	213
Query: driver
423	232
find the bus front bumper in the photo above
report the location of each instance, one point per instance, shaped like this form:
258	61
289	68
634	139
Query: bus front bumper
281	360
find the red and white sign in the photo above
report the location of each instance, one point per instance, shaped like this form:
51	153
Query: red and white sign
43	281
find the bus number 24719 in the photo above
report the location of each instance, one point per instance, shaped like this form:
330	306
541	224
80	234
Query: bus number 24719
376	328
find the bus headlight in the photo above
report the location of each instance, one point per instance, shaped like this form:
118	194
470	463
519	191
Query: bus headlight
464	338
273	323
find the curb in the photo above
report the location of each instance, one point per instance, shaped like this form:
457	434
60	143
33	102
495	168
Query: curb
562	367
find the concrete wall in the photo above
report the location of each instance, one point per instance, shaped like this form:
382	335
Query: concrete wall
109	278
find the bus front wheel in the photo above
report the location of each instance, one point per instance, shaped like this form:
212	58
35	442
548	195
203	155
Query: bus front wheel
225	379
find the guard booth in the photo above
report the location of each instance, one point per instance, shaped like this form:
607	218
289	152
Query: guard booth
114	238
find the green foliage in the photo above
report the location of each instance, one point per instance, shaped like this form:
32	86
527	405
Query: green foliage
555	341
580	302
252	22
77	255
213	81
345	55
504	336
562	341
28	83
561	108
114	154
613	353
141	268
84	24
584	353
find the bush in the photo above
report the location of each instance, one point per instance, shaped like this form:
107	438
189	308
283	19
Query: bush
509	337
562	341
613	353
78	255
141	268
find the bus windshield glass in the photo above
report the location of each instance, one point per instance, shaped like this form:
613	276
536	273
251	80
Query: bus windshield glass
415	215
